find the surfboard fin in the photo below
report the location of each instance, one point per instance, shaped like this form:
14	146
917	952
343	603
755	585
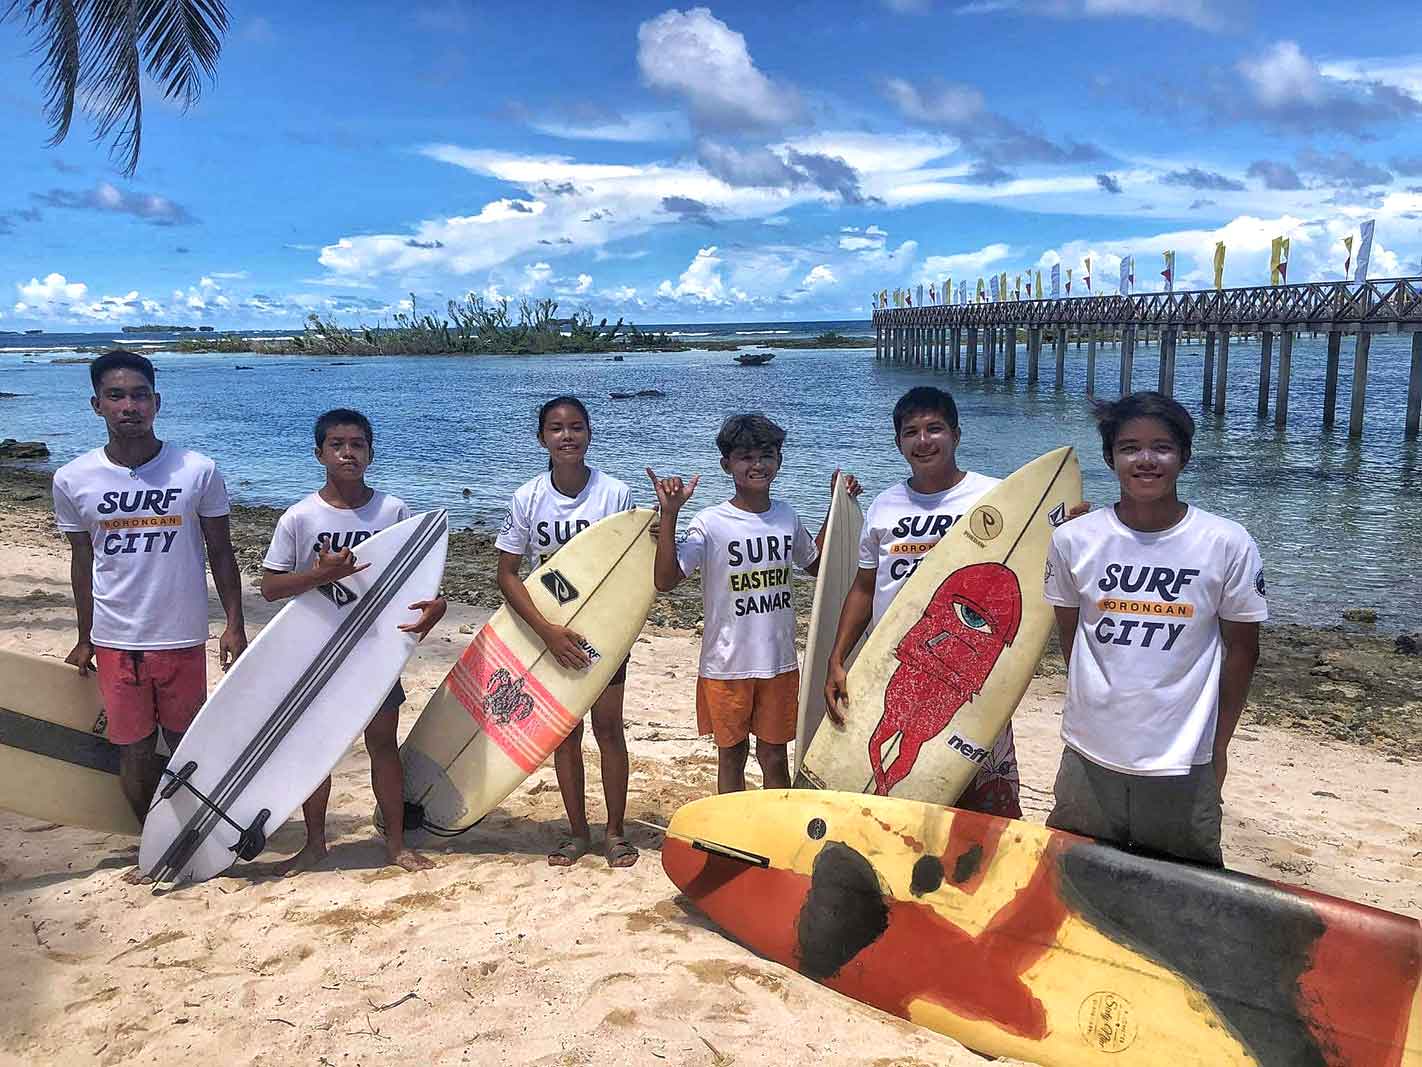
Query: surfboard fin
251	840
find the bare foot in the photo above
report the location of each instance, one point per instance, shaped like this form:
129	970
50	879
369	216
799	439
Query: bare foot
135	876
411	860
620	852
569	852
305	860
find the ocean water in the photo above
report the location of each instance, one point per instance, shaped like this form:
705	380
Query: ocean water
1339	521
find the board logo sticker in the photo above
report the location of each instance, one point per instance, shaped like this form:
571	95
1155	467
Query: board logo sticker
1259	582
338	594
986	522
1057	515
101	724
1107	1021
593	654
563	590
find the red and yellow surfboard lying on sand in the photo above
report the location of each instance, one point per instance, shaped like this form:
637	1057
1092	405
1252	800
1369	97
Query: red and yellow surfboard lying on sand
1023	941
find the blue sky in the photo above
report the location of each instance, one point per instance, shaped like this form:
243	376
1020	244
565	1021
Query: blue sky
737	162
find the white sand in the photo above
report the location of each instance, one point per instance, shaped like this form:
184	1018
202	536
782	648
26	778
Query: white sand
504	960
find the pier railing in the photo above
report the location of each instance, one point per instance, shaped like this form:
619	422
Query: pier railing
934	336
1375	305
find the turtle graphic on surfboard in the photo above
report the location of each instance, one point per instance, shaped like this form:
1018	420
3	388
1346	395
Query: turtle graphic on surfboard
944	659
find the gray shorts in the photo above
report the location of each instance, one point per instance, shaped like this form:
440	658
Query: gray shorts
1175	816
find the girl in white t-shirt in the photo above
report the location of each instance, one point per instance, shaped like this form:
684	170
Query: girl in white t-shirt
545	514
1158	607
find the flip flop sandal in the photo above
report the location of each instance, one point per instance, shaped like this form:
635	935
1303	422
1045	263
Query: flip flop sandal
620	852
569	852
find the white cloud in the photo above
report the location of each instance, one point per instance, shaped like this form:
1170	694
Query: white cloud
949	105
701	282
961	263
584	284
1403	72
698	57
1282	76
622	129
1203	14
853	239
818	276
55	288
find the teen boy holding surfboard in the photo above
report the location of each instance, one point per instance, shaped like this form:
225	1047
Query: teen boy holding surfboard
1158	606
902	525
313	545
142	517
749	680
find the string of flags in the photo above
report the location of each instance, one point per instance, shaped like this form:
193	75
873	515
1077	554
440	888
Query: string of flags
1027	285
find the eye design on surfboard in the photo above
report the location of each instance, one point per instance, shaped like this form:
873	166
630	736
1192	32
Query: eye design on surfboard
971	619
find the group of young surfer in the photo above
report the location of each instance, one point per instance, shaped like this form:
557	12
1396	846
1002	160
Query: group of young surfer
1158	605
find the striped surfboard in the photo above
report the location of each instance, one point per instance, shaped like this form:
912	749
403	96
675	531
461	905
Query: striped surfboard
293	704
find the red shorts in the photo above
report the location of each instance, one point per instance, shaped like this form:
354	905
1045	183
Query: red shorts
144	690
732	709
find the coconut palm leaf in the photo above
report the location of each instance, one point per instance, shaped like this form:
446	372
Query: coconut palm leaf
56	25
99	49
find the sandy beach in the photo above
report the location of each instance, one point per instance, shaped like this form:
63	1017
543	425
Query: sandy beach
492	957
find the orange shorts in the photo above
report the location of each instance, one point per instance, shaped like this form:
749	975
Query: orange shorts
144	690
732	709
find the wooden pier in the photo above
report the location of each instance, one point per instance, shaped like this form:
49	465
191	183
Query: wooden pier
937	337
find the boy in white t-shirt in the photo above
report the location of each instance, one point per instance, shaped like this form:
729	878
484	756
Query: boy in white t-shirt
1158	607
901	526
143	517
749	679
314	544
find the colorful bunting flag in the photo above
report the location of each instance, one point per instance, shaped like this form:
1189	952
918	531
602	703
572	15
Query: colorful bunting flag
1219	264
1365	251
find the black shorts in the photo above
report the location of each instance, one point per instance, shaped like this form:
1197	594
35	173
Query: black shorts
394	700
620	678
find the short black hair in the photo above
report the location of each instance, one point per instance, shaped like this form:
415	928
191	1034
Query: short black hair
752	430
1111	415
925	398
121	359
343	417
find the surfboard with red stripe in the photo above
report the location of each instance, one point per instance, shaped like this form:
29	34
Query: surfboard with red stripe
507	704
1022	941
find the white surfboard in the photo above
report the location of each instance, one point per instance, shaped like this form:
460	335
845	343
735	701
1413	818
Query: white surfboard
55	763
292	705
839	563
507	704
942	673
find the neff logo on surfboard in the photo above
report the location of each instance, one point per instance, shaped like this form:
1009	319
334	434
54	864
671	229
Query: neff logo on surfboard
338	594
563	590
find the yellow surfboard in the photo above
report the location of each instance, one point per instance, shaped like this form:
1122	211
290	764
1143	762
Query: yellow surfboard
1022	941
55	762
942	673
507	704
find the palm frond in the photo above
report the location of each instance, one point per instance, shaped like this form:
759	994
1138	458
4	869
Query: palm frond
56	24
182	41
112	76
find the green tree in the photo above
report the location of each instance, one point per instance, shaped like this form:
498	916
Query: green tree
98	51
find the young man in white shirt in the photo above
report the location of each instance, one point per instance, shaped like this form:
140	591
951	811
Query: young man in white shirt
144	518
746	548
1158	607
314	544
902	525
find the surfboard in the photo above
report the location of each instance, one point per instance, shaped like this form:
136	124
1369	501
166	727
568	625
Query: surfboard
839	563
507	704
291	706
1022	941
942	673
55	763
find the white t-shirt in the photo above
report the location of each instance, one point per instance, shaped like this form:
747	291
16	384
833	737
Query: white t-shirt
150	561
542	520
745	558
901	526
1143	684
311	524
